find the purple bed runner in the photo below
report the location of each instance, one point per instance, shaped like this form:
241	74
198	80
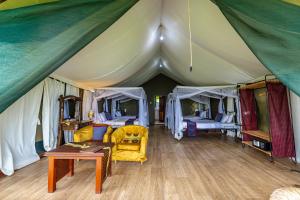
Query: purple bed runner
191	128
129	122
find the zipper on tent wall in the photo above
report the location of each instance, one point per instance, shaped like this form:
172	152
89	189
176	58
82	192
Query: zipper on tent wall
190	37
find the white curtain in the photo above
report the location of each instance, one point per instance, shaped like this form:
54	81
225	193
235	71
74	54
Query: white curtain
221	107
295	112
115	104
230	108
86	104
71	90
95	109
169	116
105	105
17	131
238	116
178	134
52	90
203	100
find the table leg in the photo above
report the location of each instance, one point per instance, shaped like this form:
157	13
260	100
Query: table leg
51	174
71	167
109	168
99	169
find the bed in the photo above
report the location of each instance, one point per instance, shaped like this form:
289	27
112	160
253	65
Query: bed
121	121
112	97
205	124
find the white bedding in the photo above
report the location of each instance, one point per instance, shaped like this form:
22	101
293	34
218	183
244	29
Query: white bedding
120	121
192	118
125	117
211	124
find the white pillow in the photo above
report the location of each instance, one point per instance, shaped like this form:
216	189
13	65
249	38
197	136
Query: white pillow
102	117
203	114
230	118
224	118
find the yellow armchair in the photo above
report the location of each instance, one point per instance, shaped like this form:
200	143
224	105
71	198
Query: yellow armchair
86	133
130	143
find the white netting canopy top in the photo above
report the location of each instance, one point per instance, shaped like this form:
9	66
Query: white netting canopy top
201	95
122	94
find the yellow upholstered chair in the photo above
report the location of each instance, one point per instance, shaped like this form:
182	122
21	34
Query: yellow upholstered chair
130	143
86	133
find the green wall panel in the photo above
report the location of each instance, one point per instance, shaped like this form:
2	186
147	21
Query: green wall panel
36	40
271	29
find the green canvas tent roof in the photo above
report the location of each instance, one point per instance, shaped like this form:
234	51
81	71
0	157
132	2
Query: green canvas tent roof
227	41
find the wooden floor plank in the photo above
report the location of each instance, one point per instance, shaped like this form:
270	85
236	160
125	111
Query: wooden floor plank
210	166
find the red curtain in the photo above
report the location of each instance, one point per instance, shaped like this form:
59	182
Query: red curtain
248	109
280	122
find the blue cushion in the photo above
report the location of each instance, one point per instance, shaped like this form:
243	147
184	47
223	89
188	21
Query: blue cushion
108	116
99	132
219	117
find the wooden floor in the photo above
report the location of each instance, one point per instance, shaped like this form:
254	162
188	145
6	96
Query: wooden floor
206	167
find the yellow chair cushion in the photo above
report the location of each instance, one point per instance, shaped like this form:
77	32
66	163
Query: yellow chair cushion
130	143
84	134
129	146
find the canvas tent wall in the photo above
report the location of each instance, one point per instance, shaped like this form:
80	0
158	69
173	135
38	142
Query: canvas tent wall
184	92
122	93
18	124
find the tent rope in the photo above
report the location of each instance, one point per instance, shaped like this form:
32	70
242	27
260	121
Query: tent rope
190	35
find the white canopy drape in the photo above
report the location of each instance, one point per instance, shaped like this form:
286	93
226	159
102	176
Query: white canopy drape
203	100
72	90
115	102
86	104
122	93
169	113
174	110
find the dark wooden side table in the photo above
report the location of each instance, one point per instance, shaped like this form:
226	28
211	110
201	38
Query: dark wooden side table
61	163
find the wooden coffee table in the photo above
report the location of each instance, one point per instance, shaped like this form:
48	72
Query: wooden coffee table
61	163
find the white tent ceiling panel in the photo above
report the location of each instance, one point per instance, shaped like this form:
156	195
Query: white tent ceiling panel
213	32
216	45
121	51
149	71
129	52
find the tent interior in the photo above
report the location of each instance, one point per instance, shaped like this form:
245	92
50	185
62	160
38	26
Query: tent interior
145	74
